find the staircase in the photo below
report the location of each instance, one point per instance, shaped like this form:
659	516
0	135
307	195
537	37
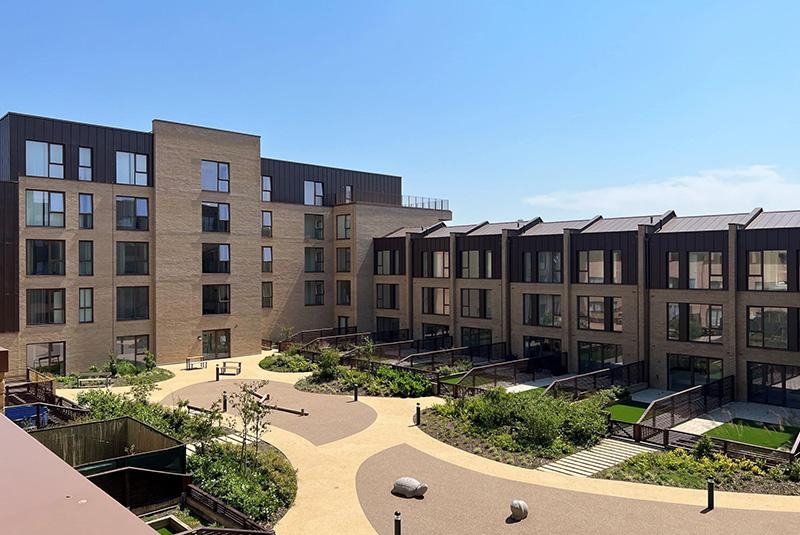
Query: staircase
606	454
233	438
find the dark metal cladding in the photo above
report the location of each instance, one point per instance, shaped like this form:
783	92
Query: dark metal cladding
518	245
9	257
776	239
607	242
480	243
390	244
683	242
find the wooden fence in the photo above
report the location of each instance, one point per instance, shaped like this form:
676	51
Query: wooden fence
219	511
682	406
142	490
586	383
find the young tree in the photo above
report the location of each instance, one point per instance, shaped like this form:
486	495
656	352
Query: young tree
251	406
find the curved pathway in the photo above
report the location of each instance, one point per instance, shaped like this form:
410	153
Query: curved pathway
337	475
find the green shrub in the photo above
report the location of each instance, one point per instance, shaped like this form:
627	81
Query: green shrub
402	383
125	367
459	366
328	365
149	360
792	471
703	448
292	350
283	362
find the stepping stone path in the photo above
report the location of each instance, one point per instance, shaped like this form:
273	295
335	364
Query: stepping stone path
606	454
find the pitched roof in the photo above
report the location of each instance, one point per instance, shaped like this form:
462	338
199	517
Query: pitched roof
700	223
767	220
556	227
621	224
492	229
444	232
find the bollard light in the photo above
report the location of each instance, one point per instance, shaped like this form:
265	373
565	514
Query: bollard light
355	393
710	488
419	414
224	401
397	527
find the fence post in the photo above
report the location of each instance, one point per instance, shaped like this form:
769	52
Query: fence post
355	393
665	438
637	433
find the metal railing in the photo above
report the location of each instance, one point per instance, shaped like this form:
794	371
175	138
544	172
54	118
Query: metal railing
392	199
682	406
221	509
507	373
447	357
302	337
586	383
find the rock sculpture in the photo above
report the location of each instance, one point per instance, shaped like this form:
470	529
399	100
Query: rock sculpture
519	510
409	487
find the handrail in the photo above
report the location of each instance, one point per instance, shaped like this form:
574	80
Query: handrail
652	404
332	338
428	353
495	365
795	446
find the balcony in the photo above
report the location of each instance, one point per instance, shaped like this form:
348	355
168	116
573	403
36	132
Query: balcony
392	199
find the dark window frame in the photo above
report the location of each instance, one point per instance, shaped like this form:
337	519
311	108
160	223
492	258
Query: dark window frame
266	188
343	260
266	265
123	262
139	222
222	184
216	299
52	164
82	308
83	261
85	219
343	297
387	296
46	308
54	266
346	227
314	259
84	170
218	222
139	307
266	296
47	213
314	291
138	174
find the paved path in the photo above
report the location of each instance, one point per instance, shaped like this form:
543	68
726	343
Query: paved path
332	498
609	452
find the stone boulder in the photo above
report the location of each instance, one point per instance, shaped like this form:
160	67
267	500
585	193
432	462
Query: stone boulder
409	488
519	510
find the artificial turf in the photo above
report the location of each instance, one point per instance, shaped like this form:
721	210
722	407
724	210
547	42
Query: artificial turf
756	433
628	411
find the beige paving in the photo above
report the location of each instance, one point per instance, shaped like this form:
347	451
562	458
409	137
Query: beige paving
328	498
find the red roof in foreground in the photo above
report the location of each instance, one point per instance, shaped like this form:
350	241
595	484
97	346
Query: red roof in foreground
42	495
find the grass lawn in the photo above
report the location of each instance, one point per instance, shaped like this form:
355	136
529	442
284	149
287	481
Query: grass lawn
756	433
628	411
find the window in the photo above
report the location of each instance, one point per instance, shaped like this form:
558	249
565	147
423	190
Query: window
85	164
266	295
343	227
488	263
441	264
767	327
312	193
686	371
436	301
132	258
705	270
85	258
131	168
549	266
767	270
673	269
48	357
314	227
266	188
472	337
673	321
616	311
343	293
44	159
591	313
266	259
45	306
470	268
216	258
387	262
386	296
593	356
85	211
475	303
775	384
314	259
387	326
214	176
435	330
616	267
527	266
705	323
132	213
44	208
528	309
590	267
343	259
133	303
133	348
348	194
86	305
216	216
216	299
315	293
266	224
537	346
45	257
542	310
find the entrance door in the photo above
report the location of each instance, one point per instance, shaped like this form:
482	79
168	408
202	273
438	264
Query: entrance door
217	344
344	323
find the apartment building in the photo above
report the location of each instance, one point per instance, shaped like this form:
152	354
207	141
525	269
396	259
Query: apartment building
697	297
183	241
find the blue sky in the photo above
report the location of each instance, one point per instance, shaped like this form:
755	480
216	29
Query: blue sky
509	109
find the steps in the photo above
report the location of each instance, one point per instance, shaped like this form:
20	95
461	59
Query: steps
606	454
233	438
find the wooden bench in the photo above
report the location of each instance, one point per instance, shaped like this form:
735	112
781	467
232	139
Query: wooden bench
193	363
93	381
229	367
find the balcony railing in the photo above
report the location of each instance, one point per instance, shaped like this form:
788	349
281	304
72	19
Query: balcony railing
393	199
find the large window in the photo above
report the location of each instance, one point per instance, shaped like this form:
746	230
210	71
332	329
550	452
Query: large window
266	224
214	176
595	356
673	269
86	305
216	216
537	346
266	295
386	296
266	259
674	321
314	259
44	208
314	227
705	323
132	213
767	270
775	384
216	299
343	259
266	188
44	159
767	327
133	348
616	314
85	258
48	357
45	306
314	293
131	168
591	313
133	258
85	163
45	257
85	211
343	227
470	264
686	371
387	262
475	303
705	270
549	266
343	293
312	193
542	310
216	258
590	267
436	301
133	303
471	336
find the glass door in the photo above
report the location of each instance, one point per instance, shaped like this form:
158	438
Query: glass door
217	344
